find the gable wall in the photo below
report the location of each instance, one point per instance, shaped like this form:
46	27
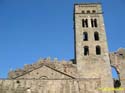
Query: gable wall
42	72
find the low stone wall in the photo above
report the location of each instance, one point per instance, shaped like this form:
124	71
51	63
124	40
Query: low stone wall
51	86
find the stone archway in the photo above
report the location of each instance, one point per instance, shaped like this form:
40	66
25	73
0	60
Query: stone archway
116	77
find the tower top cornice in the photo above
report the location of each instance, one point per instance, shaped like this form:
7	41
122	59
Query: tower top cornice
88	3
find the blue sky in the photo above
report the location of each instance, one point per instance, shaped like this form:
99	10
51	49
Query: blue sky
30	29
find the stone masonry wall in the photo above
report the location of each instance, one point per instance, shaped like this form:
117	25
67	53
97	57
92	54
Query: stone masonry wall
50	86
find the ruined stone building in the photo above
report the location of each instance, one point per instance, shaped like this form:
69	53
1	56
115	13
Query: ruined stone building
89	72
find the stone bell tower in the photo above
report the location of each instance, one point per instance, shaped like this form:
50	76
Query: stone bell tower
91	50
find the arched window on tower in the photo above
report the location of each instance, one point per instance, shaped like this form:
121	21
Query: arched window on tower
85	36
88	11
92	23
96	36
95	23
93	11
83	12
98	50
84	22
86	50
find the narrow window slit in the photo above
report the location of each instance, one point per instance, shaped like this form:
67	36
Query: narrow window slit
98	50
85	36
95	22
84	22
96	36
86	50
